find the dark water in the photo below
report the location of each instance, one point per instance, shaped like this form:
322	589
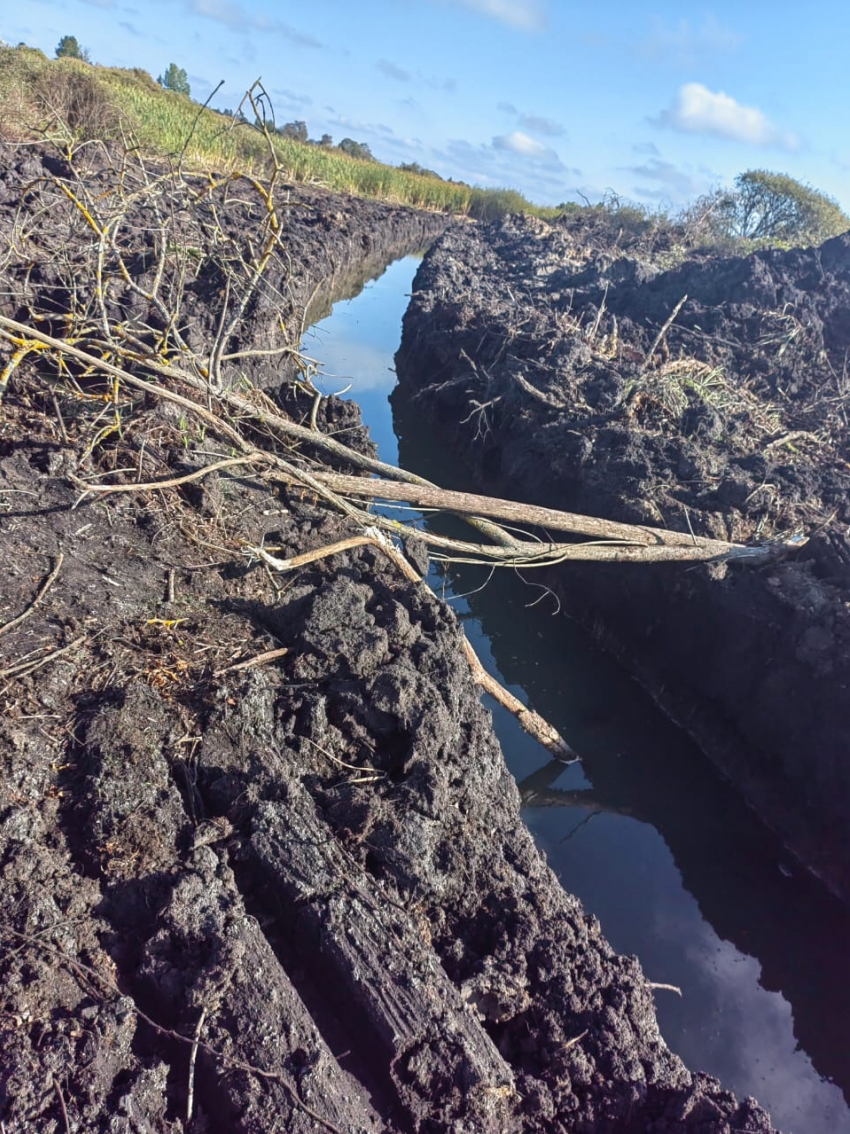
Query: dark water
643	830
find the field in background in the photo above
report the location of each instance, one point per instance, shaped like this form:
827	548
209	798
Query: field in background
69	101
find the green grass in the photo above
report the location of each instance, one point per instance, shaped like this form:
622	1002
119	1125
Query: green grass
71	101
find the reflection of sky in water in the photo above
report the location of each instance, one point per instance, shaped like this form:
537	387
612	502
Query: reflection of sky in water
356	345
621	867
741	1033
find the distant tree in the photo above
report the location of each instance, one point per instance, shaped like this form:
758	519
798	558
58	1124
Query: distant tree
415	167
175	79
771	207
356	149
69	48
326	141
297	131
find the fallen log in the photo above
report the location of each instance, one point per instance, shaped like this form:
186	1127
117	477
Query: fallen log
471	504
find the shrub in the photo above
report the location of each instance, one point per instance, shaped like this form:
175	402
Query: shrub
74	99
767	208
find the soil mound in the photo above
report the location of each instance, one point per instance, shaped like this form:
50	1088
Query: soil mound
711	396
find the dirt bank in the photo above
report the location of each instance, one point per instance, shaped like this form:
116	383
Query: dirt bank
541	352
246	892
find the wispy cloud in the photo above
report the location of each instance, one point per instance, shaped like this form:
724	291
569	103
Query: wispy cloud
527	15
698	110
533	123
670	182
289	99
684	42
545	126
392	71
235	16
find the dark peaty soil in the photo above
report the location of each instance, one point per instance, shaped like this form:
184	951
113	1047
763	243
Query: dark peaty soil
293	896
537	349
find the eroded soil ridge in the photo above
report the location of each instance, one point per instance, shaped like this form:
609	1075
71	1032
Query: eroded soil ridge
547	353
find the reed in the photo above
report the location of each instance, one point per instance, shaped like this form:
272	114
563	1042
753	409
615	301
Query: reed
72	101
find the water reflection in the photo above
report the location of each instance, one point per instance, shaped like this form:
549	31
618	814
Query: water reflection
644	831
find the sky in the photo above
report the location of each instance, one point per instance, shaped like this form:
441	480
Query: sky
655	102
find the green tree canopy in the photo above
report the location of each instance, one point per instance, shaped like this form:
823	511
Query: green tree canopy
769	207
69	48
296	130
175	79
356	149
415	167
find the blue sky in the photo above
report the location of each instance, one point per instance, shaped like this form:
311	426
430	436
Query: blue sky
656	101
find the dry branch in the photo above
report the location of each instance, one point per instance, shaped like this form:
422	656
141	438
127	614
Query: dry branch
616	542
48	583
467	503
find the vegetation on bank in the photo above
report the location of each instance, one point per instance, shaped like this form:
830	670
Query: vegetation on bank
68	99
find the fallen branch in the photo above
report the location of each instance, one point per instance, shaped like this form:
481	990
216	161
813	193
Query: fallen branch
48	583
616	542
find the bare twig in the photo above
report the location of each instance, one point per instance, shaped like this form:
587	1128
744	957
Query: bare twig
58	1089
258	659
193	1055
667	987
659	338
48	583
22	669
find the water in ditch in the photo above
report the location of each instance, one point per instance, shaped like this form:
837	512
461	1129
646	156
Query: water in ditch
643	829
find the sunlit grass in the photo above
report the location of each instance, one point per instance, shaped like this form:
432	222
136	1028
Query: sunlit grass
38	95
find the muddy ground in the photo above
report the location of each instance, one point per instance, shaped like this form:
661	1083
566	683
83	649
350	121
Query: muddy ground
287	896
541	351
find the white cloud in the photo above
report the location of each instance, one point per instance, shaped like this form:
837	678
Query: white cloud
519	143
698	110
527	15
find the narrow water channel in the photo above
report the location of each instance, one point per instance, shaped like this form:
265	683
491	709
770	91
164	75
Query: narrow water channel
643	830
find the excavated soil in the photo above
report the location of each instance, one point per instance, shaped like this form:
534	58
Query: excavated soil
543	353
287	896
